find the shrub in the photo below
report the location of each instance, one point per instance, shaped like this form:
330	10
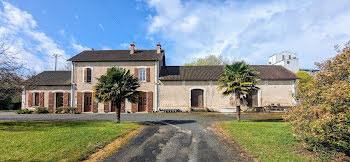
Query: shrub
41	110
24	111
322	120
67	110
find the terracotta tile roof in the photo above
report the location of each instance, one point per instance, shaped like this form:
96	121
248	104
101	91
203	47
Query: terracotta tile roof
51	78
266	72
118	55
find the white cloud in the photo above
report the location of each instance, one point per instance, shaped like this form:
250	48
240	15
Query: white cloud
62	32
106	48
78	47
124	45
250	30
101	26
34	47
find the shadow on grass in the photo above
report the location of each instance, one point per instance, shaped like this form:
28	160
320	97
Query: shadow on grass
268	120
16	126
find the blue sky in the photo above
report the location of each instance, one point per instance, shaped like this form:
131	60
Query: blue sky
247	30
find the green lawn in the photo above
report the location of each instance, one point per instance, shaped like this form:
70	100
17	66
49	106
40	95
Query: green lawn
266	140
56	140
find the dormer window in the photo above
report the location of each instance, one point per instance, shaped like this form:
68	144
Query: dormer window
87	75
142	74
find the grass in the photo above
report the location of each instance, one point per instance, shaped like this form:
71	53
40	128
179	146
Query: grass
57	140
266	140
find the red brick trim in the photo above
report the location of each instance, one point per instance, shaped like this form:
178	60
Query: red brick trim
150	102
79	104
50	102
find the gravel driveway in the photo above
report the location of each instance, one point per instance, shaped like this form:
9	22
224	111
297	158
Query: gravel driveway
165	137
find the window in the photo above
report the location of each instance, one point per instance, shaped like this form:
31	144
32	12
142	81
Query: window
290	57
87	75
59	99
36	99
287	62
282	57
142	75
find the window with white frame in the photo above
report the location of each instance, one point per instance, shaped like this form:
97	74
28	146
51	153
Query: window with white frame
142	74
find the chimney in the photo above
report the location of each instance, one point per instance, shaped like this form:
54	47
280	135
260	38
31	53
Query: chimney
132	50
92	49
159	49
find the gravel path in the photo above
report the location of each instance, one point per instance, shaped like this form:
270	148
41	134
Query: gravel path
165	137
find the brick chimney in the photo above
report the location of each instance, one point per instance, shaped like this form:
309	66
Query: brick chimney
159	49
92	49
132	48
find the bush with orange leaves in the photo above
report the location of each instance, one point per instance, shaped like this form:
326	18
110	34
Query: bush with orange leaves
322	120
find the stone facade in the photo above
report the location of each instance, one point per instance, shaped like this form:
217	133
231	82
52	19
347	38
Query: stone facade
156	92
177	94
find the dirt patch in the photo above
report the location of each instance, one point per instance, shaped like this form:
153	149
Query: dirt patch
228	140
112	147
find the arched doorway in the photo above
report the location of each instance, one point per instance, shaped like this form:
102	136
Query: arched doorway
197	98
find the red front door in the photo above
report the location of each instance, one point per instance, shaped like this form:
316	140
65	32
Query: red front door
87	102
142	105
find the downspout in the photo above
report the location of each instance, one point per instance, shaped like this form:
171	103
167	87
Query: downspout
72	98
157	86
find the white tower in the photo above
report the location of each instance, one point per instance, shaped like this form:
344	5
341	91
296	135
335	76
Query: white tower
286	59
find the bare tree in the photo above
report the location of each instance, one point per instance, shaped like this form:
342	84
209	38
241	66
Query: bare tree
12	72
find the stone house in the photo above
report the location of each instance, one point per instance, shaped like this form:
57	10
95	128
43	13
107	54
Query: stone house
161	86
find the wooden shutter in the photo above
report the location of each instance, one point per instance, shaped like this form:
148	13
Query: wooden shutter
50	102
65	99
85	75
149	101
148	74
41	99
79	100
30	98
136	73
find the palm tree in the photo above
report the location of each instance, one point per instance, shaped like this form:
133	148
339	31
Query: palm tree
116	86
239	80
